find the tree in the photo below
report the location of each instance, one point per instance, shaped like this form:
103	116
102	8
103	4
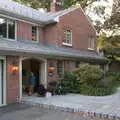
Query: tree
46	3
110	43
113	22
36	4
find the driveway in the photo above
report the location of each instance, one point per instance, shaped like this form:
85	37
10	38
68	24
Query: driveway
27	112
109	105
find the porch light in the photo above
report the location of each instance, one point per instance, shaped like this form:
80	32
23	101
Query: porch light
15	68
51	69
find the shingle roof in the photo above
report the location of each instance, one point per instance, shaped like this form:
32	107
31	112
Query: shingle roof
45	50
22	11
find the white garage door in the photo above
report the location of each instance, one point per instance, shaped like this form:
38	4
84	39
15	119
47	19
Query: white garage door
1	84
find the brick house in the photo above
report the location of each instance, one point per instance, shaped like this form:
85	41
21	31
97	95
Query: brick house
48	44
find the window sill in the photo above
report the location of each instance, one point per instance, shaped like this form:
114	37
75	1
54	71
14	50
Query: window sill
66	44
7	39
90	49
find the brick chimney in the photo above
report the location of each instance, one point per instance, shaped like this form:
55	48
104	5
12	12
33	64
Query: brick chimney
56	5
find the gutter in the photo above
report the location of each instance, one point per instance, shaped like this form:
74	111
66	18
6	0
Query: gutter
49	54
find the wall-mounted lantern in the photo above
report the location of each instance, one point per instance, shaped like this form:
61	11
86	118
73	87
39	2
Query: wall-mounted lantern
13	68
51	68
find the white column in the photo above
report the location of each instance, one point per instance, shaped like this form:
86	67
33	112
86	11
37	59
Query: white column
1	92
46	74
20	79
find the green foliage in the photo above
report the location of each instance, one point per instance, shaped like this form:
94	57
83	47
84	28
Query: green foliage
69	84
110	45
89	74
89	80
46	3
114	79
99	91
101	41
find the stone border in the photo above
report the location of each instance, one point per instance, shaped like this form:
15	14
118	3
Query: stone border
73	110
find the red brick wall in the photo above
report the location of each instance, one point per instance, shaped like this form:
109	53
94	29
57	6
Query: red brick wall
12	79
24	30
75	21
69	66
52	76
54	33
50	33
81	28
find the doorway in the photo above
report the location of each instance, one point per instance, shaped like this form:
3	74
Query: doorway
28	66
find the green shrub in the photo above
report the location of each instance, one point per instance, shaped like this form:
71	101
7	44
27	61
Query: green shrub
69	83
113	78
89	74
91	91
89	80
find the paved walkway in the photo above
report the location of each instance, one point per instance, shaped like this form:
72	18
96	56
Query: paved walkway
26	112
105	105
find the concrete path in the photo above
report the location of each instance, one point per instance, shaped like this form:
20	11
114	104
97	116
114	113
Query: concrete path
106	105
26	112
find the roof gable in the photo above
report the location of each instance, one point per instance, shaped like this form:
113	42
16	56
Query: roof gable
24	12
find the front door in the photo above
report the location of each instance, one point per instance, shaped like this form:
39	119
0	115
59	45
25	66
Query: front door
1	83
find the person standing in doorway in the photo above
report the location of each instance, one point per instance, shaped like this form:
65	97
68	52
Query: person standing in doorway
32	83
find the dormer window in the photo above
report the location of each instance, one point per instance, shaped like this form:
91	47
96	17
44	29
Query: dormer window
7	28
68	38
91	43
34	33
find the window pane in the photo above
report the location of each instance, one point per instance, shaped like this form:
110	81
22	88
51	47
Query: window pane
60	69
11	29
3	28
34	33
68	36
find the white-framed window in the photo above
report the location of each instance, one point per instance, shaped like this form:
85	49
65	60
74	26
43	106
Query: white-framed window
34	33
7	28
68	38
60	68
91	43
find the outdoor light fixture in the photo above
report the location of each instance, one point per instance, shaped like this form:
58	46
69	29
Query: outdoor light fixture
15	68
51	68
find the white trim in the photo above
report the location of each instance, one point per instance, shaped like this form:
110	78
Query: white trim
20	79
4	81
90	49
37	37
38	33
66	44
91	43
13	18
16	30
57	19
7	27
20	72
46	73
66	11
